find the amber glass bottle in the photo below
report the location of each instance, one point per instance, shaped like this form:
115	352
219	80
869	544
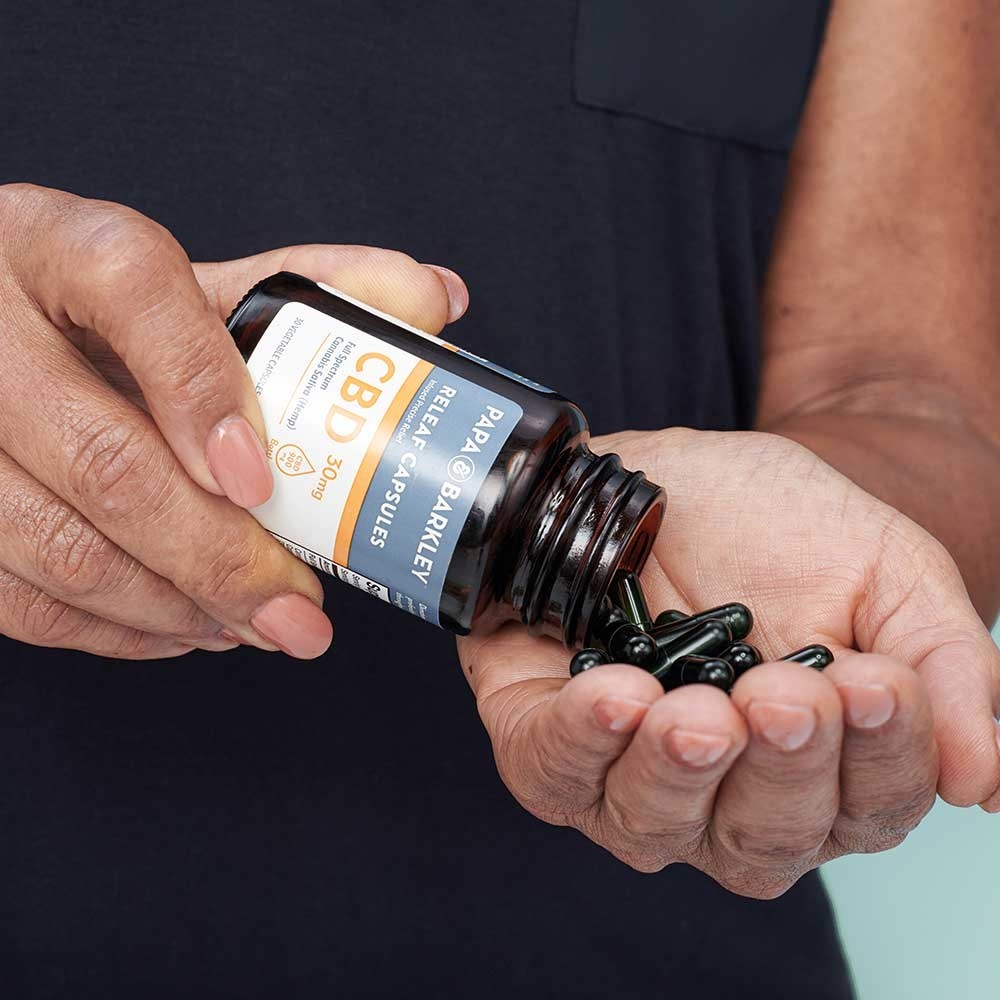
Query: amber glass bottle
435	480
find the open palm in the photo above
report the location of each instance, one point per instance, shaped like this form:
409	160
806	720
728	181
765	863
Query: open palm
797	767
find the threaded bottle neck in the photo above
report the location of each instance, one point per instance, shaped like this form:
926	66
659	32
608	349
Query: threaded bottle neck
595	519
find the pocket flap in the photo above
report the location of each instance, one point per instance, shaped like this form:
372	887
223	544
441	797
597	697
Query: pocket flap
734	69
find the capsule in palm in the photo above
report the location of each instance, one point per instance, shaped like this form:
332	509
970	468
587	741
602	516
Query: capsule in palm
586	659
742	656
709	639
629	644
736	617
818	657
607	619
670	617
699	670
627	594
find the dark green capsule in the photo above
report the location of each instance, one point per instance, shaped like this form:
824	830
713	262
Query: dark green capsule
626	592
742	656
629	644
736	617
670	617
586	659
719	674
710	639
606	620
818	657
699	670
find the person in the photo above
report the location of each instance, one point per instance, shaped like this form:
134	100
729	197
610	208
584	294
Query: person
607	180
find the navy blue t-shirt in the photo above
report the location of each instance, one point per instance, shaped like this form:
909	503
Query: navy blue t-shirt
606	176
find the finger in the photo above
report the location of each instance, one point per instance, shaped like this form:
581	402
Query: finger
920	613
45	542
104	267
107	460
778	802
555	740
426	297
659	794
29	615
888	762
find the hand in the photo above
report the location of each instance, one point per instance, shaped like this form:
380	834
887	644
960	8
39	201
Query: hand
129	432
798	767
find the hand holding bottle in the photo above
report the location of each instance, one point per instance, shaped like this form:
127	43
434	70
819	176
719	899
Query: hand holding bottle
130	434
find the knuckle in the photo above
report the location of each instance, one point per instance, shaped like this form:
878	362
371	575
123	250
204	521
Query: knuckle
646	862
22	206
16	196
116	468
36	616
755	885
872	831
119	642
191	381
229	571
192	624
758	851
13	198
642	842
641	828
646	855
70	553
127	251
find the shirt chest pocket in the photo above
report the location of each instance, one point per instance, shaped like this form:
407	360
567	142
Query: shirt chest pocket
733	69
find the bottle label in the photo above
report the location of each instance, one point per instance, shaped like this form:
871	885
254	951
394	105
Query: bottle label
378	455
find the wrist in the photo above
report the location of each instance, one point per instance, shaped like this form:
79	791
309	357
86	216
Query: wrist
943	474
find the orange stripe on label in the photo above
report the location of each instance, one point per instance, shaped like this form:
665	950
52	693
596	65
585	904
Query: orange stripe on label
366	471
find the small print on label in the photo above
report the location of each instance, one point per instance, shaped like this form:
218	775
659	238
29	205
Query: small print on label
372	587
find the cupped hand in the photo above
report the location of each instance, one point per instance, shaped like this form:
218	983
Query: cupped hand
130	435
798	767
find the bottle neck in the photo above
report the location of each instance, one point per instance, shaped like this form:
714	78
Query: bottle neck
596	518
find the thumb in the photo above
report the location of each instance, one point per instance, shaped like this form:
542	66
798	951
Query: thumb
421	295
916	608
554	739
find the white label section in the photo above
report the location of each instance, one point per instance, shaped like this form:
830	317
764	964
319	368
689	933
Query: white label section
330	395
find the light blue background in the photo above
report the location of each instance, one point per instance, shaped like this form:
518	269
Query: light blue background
923	921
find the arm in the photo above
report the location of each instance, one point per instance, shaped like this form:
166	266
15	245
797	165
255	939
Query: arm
879	355
882	308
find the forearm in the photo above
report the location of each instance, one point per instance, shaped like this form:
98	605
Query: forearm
882	308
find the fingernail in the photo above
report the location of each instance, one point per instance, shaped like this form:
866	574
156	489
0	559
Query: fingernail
620	715
295	625
239	463
787	727
867	706
695	749
458	294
